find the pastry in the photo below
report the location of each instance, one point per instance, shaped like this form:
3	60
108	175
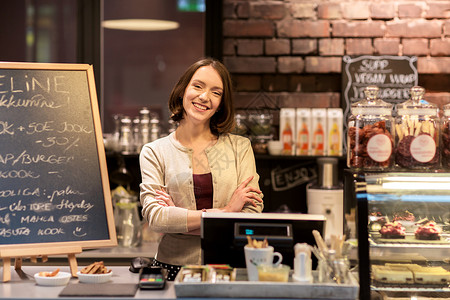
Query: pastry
394	274
428	231
425	275
393	230
404	216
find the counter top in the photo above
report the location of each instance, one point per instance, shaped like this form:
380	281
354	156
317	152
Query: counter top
23	286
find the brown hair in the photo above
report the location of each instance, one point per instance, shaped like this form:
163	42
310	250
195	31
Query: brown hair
223	120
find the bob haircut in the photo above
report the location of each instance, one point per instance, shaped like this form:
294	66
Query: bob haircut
222	121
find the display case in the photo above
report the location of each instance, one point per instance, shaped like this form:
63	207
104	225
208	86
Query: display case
403	230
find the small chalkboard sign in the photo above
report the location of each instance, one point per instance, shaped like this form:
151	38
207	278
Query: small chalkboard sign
394	75
54	188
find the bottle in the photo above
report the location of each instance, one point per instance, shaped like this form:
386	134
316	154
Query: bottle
445	138
287	138
318	139
335	139
303	138
418	131
370	133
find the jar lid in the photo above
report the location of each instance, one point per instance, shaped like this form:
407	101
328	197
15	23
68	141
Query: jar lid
371	105
417	105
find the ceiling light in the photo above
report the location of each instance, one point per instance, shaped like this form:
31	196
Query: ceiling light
140	24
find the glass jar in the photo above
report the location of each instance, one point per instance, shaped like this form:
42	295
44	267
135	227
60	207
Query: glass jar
241	124
128	223
445	137
126	142
370	133
417	133
261	125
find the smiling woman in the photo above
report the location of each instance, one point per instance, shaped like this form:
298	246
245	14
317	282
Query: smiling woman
199	168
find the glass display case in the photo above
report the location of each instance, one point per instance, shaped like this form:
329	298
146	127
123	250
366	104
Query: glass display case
403	229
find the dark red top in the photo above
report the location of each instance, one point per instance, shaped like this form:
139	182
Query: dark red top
203	190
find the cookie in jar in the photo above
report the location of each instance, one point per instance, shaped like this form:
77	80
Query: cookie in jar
370	133
445	138
417	133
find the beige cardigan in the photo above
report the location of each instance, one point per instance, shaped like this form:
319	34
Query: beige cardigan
165	162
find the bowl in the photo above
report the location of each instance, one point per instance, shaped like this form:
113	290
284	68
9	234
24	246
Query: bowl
275	147
94	278
62	278
279	273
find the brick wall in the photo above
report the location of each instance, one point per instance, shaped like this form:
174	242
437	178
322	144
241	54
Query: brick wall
292	49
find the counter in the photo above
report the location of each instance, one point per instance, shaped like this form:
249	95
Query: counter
22	286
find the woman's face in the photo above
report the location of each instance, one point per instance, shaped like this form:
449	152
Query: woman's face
203	95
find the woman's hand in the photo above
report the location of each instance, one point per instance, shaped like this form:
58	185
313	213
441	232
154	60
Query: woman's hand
164	198
242	195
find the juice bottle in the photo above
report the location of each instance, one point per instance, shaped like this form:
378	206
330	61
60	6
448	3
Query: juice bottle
334	139
303	139
286	138
318	140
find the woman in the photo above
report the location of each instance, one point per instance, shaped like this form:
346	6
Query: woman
200	167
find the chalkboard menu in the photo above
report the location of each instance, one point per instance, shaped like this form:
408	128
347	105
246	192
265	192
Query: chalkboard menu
53	180
394	75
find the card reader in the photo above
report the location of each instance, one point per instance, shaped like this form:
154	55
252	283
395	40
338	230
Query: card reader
152	278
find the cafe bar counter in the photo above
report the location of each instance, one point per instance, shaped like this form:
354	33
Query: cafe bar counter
123	285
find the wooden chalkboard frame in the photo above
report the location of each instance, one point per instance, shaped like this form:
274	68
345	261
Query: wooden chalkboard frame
49	247
347	82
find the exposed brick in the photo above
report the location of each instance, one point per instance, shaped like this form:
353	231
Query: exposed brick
275	83
299	28
382	10
290	64
250	28
358	46
267	10
328	47
319	100
303	10
356	10
418	47
229	11
433	65
250	64
301	83
277	46
438	9
304	46
315	100
247	82
358	29
409	10
229	47
250	47
440	99
415	28
329	11
439	47
447	28
317	64
243	10
387	46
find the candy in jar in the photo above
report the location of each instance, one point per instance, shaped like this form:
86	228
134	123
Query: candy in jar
370	133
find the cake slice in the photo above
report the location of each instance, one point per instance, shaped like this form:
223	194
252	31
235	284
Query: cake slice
431	275
392	275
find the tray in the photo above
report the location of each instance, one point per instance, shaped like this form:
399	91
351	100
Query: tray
241	288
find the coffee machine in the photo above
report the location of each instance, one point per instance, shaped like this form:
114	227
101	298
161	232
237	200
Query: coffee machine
326	196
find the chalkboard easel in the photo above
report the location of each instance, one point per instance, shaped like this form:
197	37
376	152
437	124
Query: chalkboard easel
54	193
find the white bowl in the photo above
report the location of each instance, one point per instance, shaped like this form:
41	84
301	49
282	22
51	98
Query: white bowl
275	147
62	278
94	278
